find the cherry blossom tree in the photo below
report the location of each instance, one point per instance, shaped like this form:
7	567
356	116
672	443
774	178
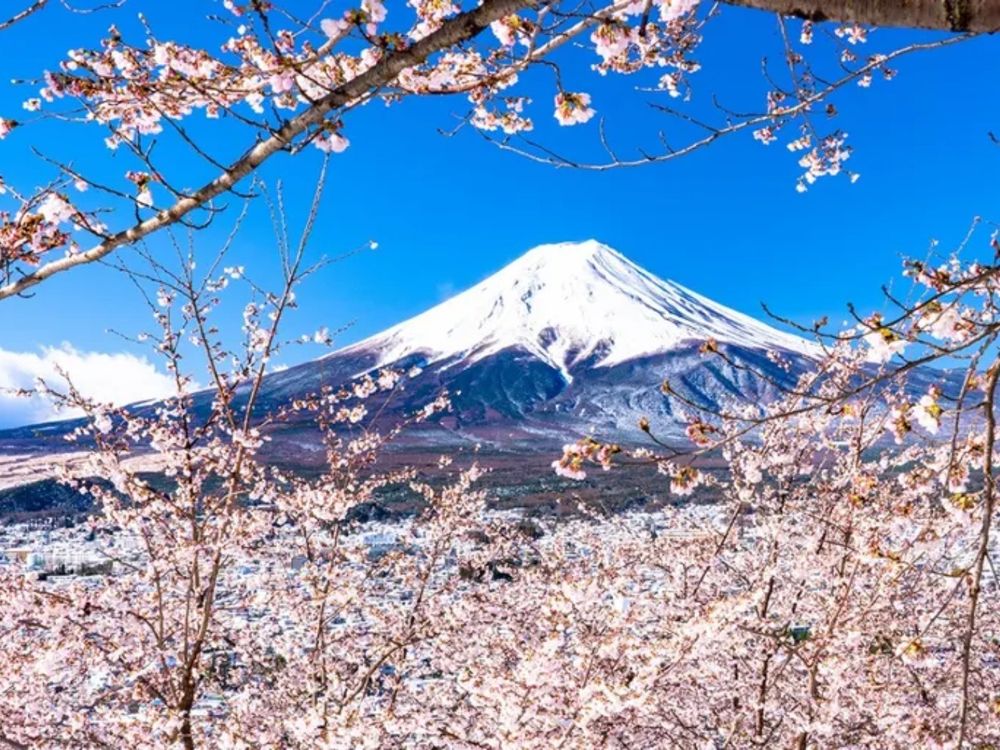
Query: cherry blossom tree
859	544
228	567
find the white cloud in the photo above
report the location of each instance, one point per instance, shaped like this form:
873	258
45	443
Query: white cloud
118	378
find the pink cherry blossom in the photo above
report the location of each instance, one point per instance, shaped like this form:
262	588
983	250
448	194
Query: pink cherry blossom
573	109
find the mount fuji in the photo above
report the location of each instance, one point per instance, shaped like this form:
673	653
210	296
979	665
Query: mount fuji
569	339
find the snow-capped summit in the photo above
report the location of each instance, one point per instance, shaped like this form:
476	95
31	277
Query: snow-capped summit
569	303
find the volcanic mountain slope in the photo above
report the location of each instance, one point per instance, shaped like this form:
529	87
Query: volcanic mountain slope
570	338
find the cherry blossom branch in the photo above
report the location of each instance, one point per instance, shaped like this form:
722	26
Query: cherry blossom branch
453	31
20	16
40	4
542	154
975	589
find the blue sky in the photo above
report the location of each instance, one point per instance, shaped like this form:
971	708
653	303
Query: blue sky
448	211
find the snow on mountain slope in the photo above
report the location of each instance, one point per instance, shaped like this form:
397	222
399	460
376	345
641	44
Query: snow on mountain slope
567	303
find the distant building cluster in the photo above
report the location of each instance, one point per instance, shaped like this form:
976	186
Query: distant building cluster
52	551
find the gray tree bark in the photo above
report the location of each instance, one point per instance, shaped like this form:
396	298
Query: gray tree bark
979	16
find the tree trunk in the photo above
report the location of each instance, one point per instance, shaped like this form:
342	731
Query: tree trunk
942	15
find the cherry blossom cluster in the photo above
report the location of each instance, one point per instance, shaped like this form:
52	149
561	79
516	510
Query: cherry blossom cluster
823	154
40	224
586	450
